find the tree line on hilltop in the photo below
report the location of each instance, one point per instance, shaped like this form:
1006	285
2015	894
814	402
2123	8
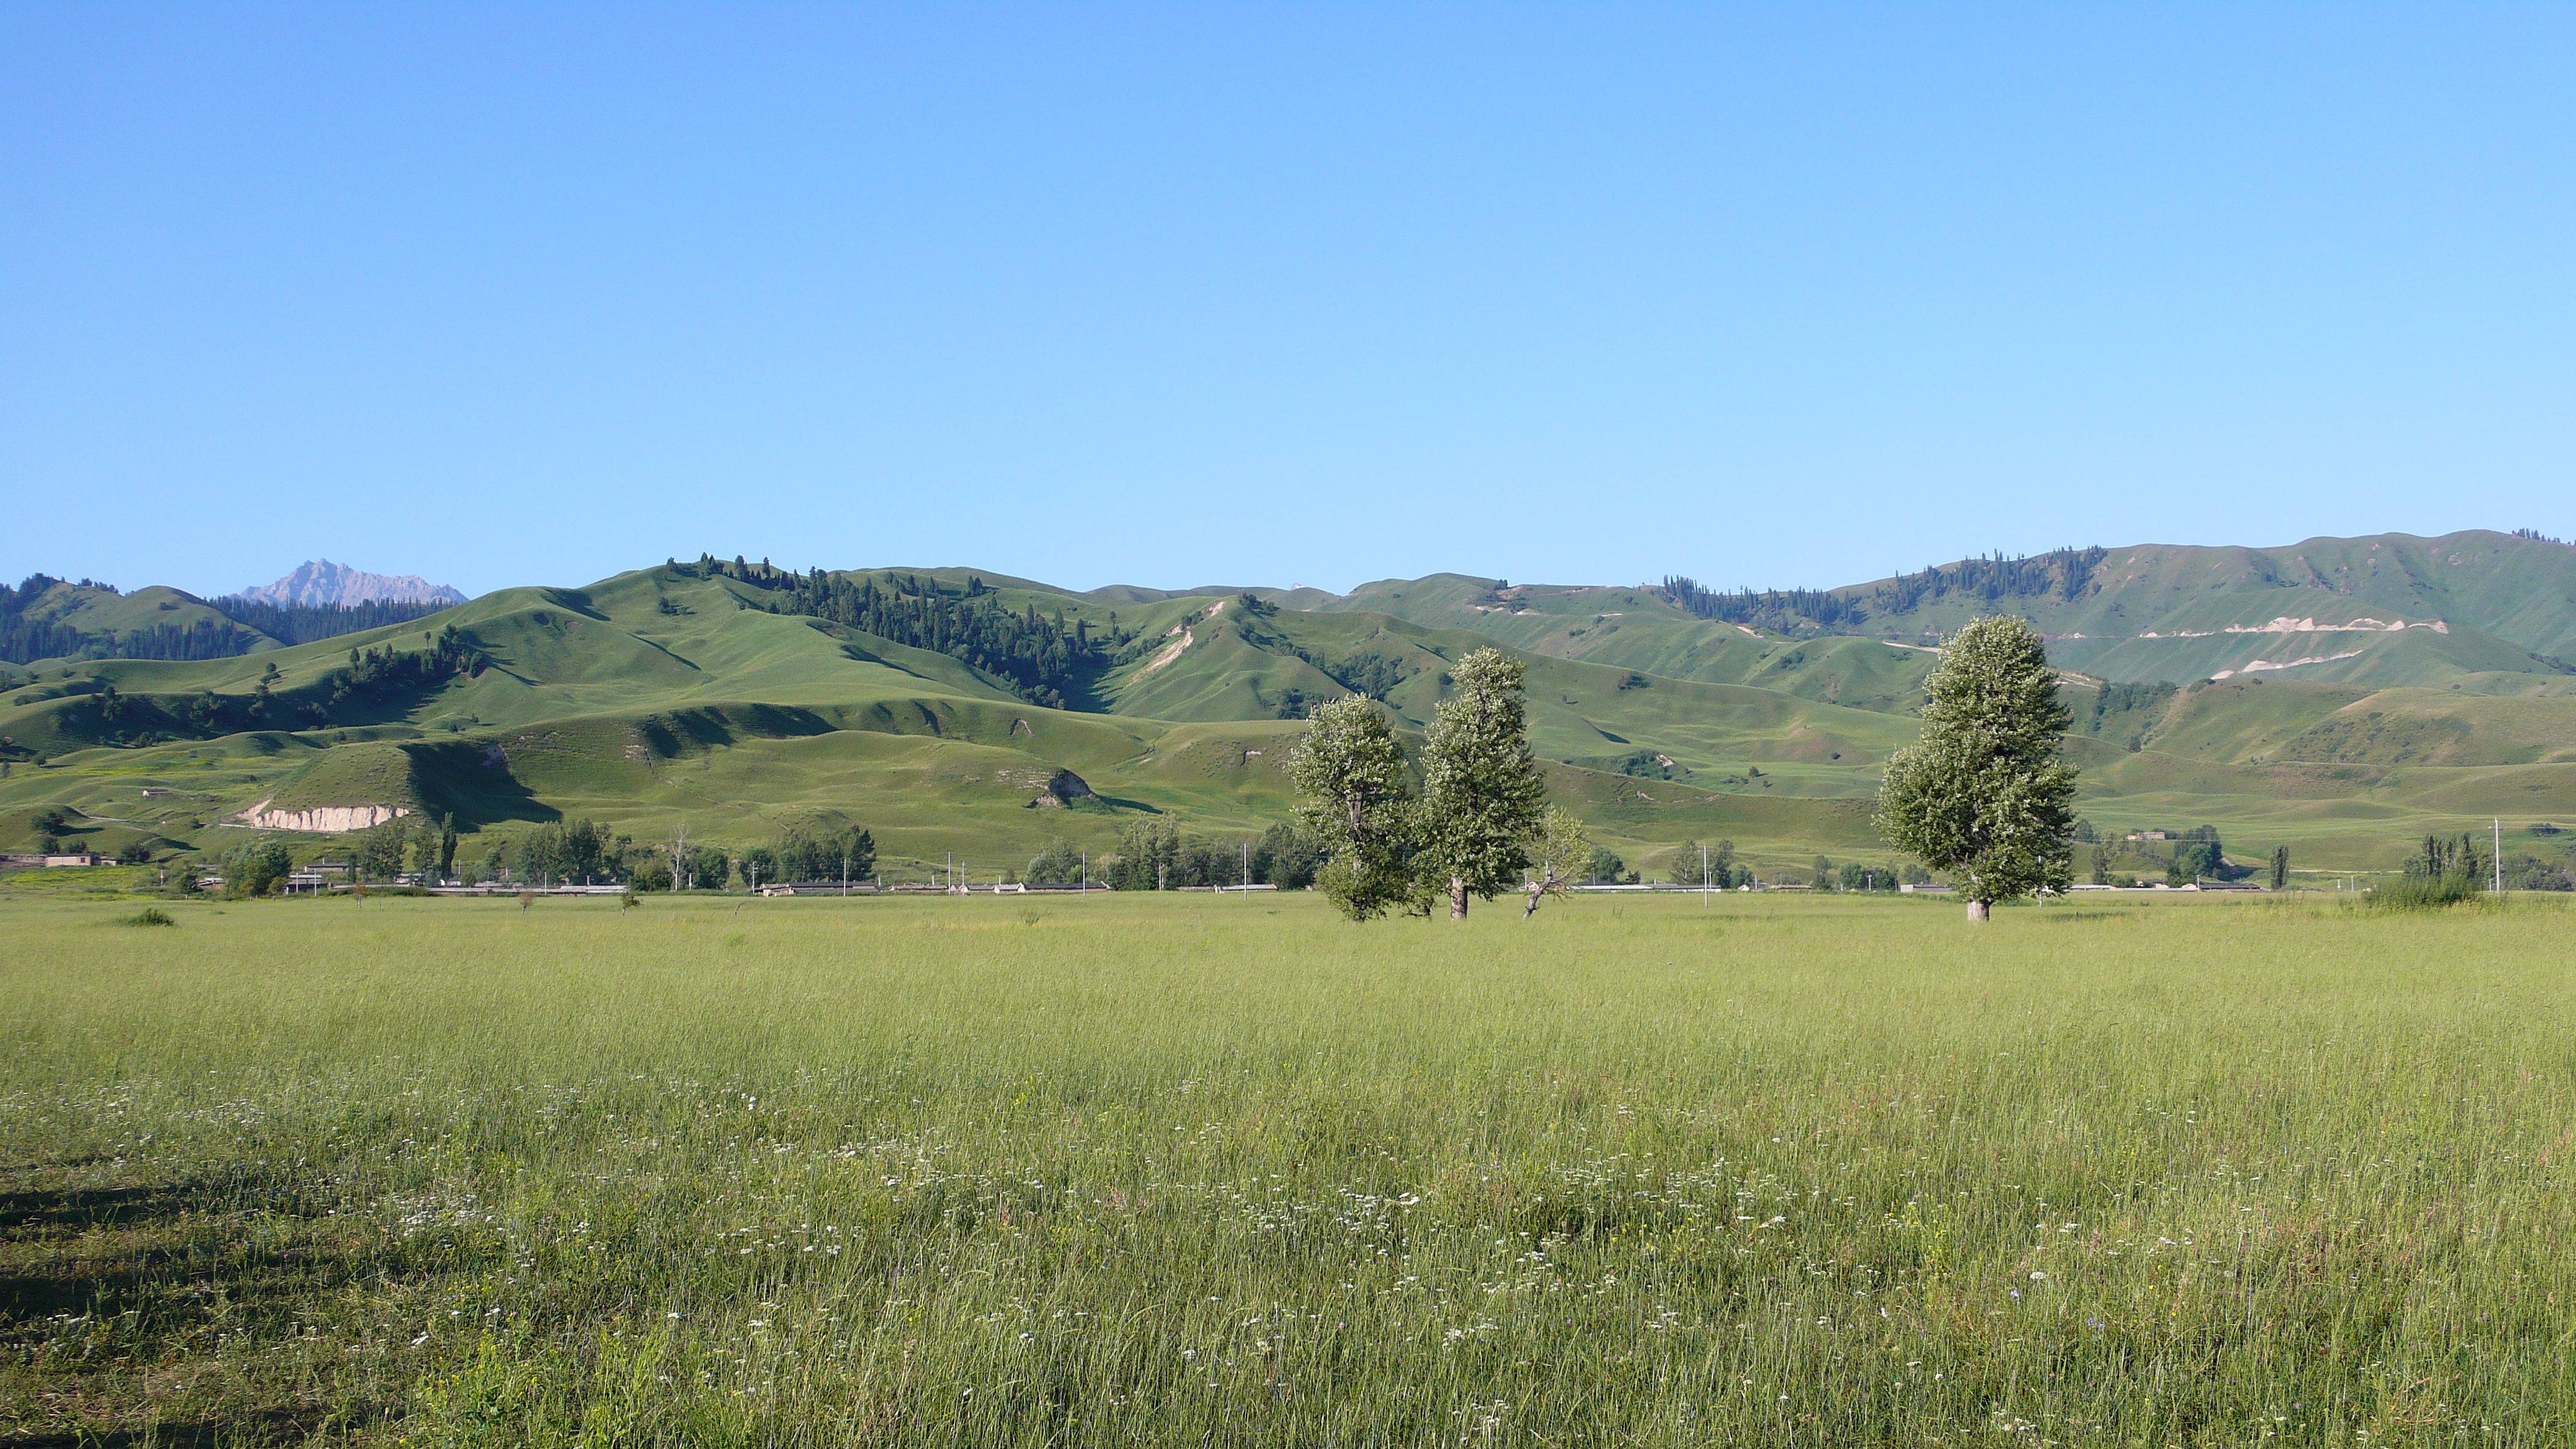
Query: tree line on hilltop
2061	573
1045	659
25	639
373	676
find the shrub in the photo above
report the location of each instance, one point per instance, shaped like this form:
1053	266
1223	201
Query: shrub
2424	893
151	916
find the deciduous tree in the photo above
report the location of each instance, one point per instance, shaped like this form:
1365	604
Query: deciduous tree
1560	854
1481	790
1355	799
1984	794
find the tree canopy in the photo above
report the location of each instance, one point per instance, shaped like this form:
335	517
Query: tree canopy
1354	797
1984	794
1481	789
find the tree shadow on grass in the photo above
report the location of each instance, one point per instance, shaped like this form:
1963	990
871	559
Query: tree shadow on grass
104	1287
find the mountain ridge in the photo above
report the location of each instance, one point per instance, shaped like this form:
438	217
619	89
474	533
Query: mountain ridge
320	581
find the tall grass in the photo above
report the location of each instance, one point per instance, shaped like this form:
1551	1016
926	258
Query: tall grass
1153	1171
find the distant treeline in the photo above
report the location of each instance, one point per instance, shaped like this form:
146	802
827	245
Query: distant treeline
24	639
371	677
1779	610
304	623
1045	658
2061	573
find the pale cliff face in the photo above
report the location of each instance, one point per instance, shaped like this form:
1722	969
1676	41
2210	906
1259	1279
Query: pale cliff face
321	819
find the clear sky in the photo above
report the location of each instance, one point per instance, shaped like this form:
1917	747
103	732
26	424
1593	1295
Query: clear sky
1306	294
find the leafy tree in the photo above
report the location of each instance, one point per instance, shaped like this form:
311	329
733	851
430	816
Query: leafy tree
1721	869
584	853
2101	865
708	868
1355	799
2195	859
257	869
538	855
1822	875
1287	857
1481	789
1984	794
1147	852
1604	864
1057	865
2531	873
651	874
826	853
380	850
1559	853
2280	867
2447	859
760	866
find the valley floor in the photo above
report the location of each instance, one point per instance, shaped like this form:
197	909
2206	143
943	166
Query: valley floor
1155	1170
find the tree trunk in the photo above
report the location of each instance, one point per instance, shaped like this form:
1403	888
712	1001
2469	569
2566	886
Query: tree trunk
1457	898
1977	911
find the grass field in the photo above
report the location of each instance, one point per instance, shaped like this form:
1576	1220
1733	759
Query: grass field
1163	1170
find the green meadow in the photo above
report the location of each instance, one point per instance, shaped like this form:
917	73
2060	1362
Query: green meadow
1189	1169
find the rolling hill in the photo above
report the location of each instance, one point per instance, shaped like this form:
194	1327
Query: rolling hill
741	700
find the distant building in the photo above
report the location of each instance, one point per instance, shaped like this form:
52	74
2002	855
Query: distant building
77	858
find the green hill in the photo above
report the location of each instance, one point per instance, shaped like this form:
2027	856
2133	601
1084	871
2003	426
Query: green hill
698	693
53	619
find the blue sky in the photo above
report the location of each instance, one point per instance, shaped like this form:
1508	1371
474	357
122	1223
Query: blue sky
1308	294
